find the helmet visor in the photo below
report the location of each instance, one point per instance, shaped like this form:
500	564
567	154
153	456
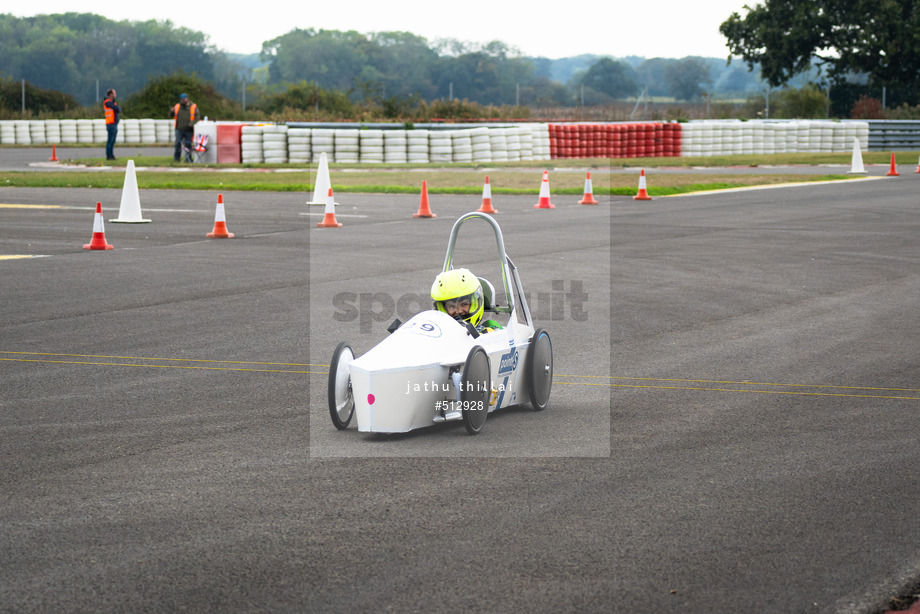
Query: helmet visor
458	307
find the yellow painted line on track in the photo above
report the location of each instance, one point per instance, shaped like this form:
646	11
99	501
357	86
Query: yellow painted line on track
55	358
595	380
748	390
773	186
155	366
740	383
19	256
3	206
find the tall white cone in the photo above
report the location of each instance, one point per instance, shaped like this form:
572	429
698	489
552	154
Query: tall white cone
130	211
856	166
323	184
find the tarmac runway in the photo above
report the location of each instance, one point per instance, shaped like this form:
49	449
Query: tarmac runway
732	425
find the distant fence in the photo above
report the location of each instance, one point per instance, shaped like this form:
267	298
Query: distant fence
298	142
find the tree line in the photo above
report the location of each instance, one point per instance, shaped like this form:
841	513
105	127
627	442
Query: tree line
400	74
83	54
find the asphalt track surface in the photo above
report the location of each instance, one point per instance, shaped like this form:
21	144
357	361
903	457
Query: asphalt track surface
732	427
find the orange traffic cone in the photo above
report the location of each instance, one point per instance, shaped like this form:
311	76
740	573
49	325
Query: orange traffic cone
486	198
329	220
423	209
893	172
98	241
220	222
643	192
918	168
588	198
544	194
53	157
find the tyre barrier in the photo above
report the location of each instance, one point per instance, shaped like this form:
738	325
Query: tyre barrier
64	131
251	145
620	140
280	143
733	137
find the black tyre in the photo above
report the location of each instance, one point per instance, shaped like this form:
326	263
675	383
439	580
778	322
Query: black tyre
476	390
539	369
341	397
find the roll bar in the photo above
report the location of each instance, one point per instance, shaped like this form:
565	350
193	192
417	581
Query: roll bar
509	272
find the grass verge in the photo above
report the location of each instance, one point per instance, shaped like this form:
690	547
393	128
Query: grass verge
518	177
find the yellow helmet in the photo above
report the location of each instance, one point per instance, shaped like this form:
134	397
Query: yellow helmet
451	291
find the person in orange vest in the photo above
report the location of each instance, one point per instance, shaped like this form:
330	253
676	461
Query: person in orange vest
112	114
186	115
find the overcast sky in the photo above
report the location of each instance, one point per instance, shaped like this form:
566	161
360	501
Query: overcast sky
649	28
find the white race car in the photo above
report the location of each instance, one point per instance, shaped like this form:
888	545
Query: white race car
435	368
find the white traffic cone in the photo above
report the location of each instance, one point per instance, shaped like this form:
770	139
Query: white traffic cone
856	166
323	183
130	211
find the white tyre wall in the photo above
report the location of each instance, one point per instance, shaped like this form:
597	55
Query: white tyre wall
417	146
706	140
23	133
148	129
802	140
462	146
541	141
814	137
499	143
84	131
792	137
37	132
53	131
840	138
68	131
779	137
100	134
759	138
513	139
299	145
274	144
715	139
131	128
322	141
439	146
481	144
526	138
747	139
347	145
395	146
251	145
688	141
370	146
827	136
7	132
736	138
166	131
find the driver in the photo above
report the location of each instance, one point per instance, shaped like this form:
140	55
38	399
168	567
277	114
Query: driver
458	293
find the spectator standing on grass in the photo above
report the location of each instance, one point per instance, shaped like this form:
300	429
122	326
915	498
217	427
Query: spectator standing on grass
186	115
112	115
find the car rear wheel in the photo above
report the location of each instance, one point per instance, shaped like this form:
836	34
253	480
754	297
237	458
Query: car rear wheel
475	390
341	397
540	369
